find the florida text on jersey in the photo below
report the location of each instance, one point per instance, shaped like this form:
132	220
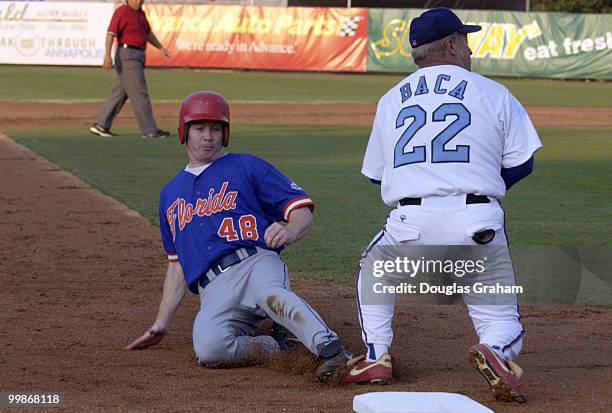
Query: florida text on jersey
229	205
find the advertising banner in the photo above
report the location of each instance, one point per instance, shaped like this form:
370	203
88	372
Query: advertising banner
557	45
53	33
327	39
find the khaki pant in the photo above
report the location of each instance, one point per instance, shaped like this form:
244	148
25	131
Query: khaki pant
130	84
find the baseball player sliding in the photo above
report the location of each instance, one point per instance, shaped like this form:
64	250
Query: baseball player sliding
445	146
219	221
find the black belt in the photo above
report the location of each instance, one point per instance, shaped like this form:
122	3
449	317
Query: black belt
129	46
469	199
224	263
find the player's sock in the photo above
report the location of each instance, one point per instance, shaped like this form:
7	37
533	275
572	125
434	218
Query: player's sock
376	350
499	351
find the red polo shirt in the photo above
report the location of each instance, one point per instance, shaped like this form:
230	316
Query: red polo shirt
129	26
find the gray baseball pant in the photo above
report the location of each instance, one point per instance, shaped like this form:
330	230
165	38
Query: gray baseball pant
233	306
130	83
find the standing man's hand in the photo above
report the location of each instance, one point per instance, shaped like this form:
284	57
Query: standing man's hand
107	63
166	52
151	38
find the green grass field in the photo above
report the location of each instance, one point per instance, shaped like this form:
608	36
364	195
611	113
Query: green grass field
31	82
567	201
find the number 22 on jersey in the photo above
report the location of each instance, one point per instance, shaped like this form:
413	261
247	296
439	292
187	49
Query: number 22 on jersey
439	152
247	225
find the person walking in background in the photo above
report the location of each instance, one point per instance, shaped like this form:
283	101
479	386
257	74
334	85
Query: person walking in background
130	26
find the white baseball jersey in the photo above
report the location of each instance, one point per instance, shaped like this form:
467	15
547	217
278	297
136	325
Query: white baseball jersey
444	130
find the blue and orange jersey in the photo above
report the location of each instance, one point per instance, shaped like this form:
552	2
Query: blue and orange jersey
228	206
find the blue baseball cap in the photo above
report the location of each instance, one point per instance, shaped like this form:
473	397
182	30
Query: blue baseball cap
436	24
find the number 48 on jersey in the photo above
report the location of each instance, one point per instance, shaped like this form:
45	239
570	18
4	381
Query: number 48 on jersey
247	225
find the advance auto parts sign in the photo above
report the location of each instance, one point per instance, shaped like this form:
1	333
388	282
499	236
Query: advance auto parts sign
53	33
330	39
561	45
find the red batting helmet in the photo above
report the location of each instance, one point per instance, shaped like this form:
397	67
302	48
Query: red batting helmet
203	106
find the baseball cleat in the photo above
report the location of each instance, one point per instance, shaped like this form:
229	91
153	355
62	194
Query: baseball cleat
503	376
332	357
100	131
286	340
159	134
364	371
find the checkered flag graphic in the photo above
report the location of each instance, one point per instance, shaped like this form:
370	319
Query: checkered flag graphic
349	26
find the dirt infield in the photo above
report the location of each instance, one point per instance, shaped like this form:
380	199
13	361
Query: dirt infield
82	274
17	115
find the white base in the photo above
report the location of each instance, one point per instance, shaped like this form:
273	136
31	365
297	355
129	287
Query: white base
416	402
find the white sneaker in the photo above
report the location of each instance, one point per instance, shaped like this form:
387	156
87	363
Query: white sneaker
100	131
